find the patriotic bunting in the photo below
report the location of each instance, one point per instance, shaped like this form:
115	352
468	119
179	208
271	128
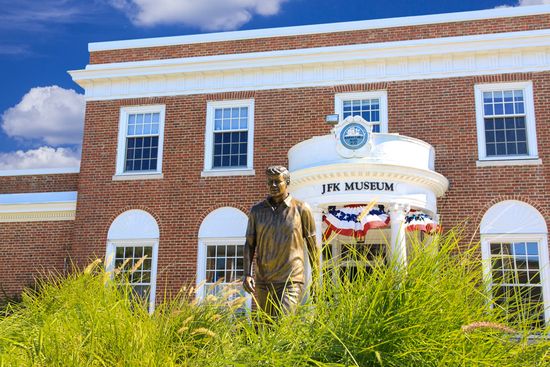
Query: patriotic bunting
419	221
348	221
351	221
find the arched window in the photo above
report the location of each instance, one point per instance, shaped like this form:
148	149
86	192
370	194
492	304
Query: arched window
220	253
514	240
134	237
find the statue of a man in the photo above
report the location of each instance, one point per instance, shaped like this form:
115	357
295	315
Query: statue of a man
278	228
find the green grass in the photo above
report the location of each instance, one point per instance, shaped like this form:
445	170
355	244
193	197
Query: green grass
391	317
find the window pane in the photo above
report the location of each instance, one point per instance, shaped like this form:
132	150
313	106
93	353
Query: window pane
532	248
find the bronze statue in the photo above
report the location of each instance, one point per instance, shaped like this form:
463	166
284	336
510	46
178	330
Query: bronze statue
277	229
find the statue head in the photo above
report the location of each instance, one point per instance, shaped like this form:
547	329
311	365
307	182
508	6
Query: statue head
278	179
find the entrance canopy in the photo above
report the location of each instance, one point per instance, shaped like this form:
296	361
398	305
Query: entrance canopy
352	165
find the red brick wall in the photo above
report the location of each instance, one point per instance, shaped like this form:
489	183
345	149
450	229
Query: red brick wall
513	24
439	111
444	116
38	183
32	250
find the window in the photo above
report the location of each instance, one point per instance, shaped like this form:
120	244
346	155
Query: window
229	138
132	247
515	255
140	140
515	276
224	266
135	264
506	121
220	254
372	106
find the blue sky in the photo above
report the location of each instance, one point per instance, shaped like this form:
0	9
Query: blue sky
41	108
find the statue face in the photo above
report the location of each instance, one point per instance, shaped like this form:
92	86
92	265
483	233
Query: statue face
277	186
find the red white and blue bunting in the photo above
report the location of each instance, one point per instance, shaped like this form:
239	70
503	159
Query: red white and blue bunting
348	221
419	221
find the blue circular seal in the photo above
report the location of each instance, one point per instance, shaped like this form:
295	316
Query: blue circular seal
354	136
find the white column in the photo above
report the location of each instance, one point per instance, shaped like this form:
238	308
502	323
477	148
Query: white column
318	218
398	242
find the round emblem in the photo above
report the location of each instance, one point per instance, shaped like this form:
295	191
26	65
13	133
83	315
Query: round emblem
354	136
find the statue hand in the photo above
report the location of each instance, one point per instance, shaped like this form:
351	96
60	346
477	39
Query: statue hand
248	284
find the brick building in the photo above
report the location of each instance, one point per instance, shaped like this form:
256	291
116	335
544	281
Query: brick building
178	131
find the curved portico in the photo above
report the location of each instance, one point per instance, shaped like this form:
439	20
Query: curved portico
363	167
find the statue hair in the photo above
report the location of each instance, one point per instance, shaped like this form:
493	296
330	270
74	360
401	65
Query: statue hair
277	170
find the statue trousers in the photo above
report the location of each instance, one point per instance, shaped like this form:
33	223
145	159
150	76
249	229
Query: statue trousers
277	298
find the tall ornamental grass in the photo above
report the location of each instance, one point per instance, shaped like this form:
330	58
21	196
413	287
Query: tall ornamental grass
436	312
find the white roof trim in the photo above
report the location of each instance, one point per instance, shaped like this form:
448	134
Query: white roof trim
513	52
431	46
35	207
42	171
322	28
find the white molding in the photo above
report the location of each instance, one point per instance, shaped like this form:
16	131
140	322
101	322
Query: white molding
228	172
209	142
530	123
34	207
322	28
121	146
382	95
134	223
486	54
509	162
45	216
134	177
431	180
40	171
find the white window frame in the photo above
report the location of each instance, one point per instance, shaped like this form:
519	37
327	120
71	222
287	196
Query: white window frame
110	261
531	133
201	262
209	140
120	174
541	239
382	95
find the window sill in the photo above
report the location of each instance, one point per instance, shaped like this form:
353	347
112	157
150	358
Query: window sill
509	162
228	172
138	176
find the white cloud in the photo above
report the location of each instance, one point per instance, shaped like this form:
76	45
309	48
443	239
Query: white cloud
526	3
7	49
52	115
204	14
533	2
43	157
32	15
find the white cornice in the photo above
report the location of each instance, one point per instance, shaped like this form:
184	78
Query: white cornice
431	180
33	207
38	217
323	28
351	64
